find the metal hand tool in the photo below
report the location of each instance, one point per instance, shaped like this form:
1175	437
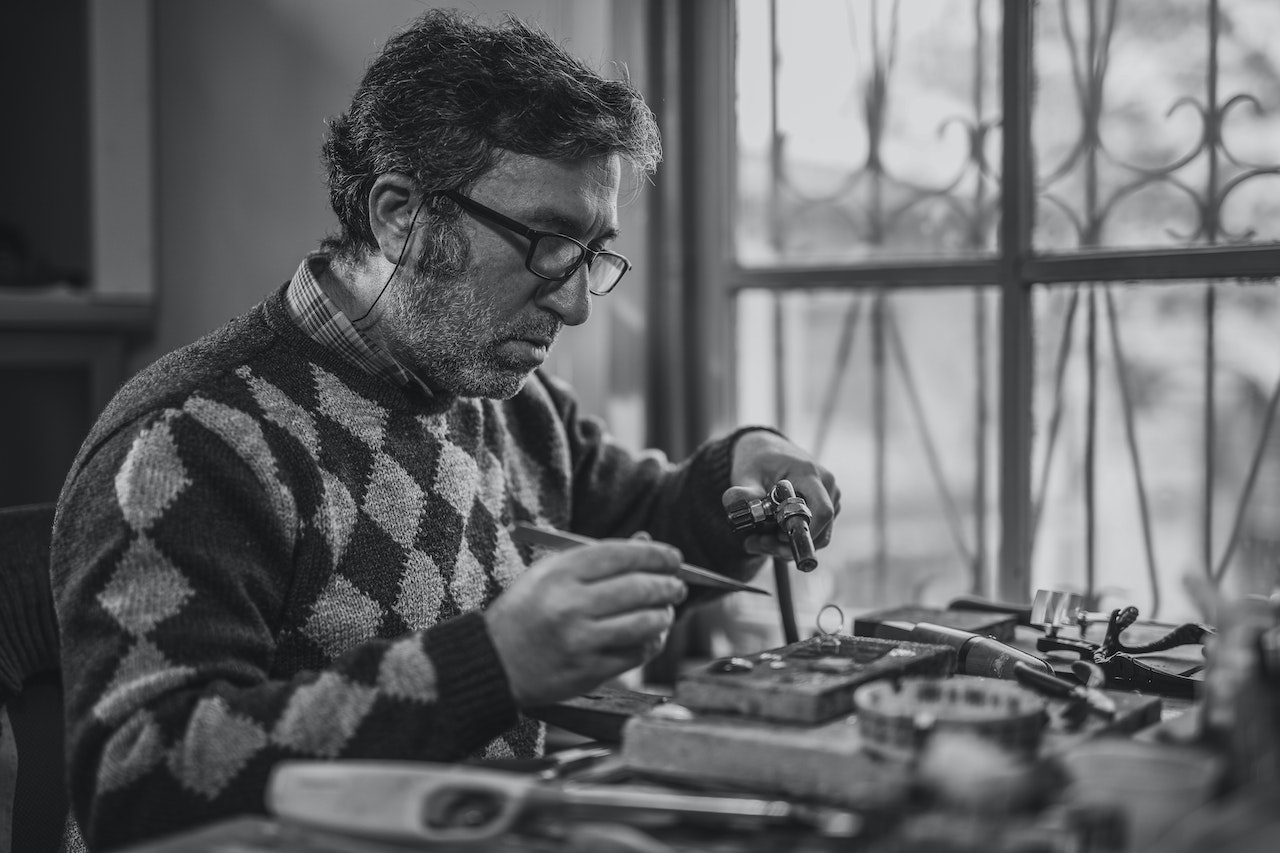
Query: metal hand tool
781	509
1051	685
975	654
1049	610
420	801
560	540
1119	662
1052	609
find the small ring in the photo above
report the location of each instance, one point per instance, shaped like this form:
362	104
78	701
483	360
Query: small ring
839	625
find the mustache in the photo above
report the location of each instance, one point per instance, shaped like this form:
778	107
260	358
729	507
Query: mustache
543	327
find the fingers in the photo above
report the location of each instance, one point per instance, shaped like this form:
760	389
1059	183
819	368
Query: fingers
762	458
638	630
582	616
739	494
636	591
818	487
823	539
612	557
819	490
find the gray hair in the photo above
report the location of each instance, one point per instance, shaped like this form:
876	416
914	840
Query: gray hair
446	97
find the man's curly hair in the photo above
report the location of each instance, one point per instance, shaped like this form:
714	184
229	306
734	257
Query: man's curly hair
446	97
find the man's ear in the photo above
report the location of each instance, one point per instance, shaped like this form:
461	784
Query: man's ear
393	201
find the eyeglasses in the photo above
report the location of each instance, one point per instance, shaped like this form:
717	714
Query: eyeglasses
554	257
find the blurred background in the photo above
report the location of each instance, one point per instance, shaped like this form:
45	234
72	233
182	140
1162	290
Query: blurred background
1007	267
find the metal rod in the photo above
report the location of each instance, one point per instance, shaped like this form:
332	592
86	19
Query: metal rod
786	601
1210	427
843	360
1132	267
880	432
976	241
1190	264
781	569
1131	438
1055	416
1259	455
951	511
1212	226
1090	445
1016	346
980	437
1213	131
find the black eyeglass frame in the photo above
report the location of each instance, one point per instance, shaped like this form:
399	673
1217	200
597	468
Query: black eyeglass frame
534	235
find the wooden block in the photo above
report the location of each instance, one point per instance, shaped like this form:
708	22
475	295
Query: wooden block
824	762
997	625
807	682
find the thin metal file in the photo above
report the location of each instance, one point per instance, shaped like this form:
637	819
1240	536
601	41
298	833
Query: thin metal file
549	537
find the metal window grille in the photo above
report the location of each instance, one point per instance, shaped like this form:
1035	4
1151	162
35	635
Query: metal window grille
1081	198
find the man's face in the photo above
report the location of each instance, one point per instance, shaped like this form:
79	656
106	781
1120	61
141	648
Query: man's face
481	334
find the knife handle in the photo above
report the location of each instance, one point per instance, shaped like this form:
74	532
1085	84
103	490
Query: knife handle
399	800
976	654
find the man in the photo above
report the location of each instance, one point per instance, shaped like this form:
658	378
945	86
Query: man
290	539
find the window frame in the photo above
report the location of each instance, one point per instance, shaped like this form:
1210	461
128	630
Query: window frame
702	54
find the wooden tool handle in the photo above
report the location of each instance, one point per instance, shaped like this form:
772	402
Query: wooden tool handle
399	800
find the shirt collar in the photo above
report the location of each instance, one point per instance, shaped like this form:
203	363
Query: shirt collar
328	326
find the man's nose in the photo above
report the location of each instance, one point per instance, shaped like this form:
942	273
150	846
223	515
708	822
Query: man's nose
570	300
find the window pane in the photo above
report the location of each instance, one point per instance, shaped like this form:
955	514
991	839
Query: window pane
1163	333
1156	125
863	130
895	393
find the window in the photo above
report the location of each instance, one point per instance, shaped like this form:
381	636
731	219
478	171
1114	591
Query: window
1009	268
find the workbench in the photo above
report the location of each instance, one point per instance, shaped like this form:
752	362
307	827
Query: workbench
1150	767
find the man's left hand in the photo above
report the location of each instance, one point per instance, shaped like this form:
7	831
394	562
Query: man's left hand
762	458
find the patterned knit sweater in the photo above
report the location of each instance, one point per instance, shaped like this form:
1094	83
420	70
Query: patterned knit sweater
263	553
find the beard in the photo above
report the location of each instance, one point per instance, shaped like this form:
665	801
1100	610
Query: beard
447	331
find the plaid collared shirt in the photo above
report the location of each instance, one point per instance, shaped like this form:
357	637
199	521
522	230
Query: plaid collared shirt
325	323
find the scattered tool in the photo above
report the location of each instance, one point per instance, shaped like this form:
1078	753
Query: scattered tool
1051	685
1121	664
421	801
781	509
999	624
806	682
560	540
1052	610
975	654
1049	610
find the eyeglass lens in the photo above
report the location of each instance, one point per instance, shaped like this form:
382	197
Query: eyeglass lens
554	256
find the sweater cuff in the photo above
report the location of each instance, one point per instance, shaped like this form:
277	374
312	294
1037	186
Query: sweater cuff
731	442
471	678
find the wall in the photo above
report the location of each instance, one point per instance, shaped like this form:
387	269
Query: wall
243	88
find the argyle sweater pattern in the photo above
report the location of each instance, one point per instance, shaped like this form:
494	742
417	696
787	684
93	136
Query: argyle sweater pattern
263	553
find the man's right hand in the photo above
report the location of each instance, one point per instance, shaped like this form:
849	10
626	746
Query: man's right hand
581	617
